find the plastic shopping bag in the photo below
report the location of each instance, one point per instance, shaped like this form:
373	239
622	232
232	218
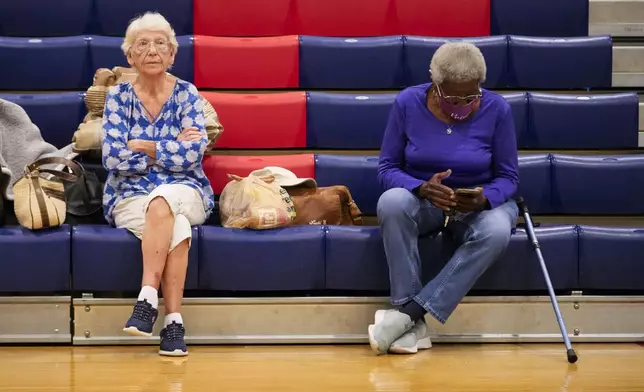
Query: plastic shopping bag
255	203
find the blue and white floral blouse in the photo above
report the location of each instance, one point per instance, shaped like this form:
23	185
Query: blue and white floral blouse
134	173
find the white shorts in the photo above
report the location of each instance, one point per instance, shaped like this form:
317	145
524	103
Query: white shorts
185	203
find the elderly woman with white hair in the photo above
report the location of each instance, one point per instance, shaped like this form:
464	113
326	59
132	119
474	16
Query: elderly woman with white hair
448	163
154	141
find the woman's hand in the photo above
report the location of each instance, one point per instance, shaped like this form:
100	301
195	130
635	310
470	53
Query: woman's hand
135	145
191	134
470	203
440	195
148	147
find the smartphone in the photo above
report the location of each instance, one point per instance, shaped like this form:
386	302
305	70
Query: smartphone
467	192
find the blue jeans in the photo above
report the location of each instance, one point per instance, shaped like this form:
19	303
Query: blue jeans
481	239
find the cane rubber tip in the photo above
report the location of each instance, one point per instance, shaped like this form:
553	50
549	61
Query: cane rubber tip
572	356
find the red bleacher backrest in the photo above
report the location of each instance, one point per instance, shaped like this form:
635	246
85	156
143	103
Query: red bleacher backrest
247	63
244	18
217	167
270	120
345	18
342	18
444	18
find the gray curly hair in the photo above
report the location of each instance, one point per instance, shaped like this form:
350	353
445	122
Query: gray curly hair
458	62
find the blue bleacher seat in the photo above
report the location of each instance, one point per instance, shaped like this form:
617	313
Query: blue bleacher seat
418	53
534	182
105	52
113	16
34	261
57	115
346	121
351	63
519	269
106	259
560	63
601	121
610	258
598	185
289	259
358	173
44	64
355	259
539	18
519	105
45	18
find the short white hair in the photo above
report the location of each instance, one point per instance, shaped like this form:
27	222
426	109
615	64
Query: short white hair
458	62
150	21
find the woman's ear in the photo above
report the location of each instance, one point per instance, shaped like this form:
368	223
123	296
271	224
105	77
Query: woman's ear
171	60
130	60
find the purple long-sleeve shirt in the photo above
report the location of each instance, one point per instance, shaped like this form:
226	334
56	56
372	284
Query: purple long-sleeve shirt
480	152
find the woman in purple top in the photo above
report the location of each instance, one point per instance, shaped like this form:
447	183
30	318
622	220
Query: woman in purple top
448	163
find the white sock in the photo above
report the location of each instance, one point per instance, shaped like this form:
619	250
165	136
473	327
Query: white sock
150	294
169	318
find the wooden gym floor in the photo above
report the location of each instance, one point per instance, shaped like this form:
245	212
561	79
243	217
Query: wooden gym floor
490	367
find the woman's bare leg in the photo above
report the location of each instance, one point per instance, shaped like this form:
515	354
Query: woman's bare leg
155	243
159	223
174	277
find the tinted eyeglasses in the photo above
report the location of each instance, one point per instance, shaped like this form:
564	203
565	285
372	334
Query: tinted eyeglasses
459	100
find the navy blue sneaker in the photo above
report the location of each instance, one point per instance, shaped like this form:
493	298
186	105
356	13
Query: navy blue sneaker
142	320
172	343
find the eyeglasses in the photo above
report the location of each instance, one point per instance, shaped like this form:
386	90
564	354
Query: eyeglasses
144	45
455	99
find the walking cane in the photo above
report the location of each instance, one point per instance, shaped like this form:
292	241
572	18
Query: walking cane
572	356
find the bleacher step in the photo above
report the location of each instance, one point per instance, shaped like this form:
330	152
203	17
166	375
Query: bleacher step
628	65
620	18
35	319
336	320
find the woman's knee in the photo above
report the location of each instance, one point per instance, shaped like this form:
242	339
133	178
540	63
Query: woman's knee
495	231
499	238
158	209
396	202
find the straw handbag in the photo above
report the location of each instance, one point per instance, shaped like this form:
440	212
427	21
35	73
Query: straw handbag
39	202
